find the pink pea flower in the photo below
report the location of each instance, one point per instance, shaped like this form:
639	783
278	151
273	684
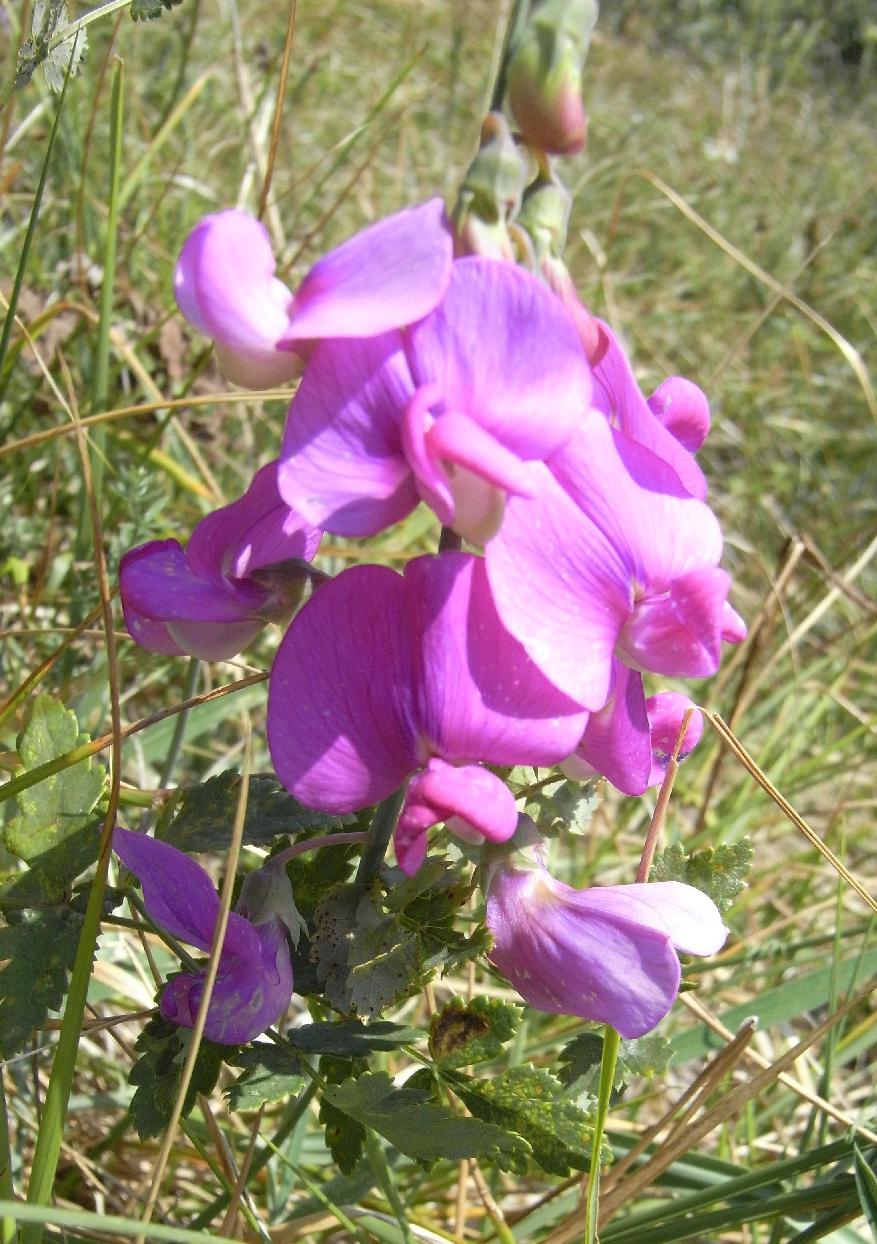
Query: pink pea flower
253	986
673	423
619	560
631	739
391	273
453	411
605	953
383	678
241	569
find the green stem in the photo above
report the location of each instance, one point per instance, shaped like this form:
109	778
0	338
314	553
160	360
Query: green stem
611	1043
516	21
378	838
173	754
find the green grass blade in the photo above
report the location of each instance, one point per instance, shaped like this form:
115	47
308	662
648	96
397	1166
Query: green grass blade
866	1185
38	1216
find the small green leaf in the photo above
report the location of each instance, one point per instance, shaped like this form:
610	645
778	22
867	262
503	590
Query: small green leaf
205	814
719	871
531	1102
345	1136
48	832
270	1072
38	951
418	1128
580	1061
563	807
351	1039
156	1074
472	1032
48	20
866	1186
149	10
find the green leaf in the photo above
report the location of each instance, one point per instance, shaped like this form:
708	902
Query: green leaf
531	1102
563	807
38	951
472	1032
580	1058
47	833
270	1072
149	10
345	1136
351	1039
866	1186
48	20
719	871
156	1074
418	1128
205	815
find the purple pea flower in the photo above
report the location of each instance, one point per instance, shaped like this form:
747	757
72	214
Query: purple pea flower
673	423
253	985
241	569
631	739
619	559
383	678
605	953
391	273
454	410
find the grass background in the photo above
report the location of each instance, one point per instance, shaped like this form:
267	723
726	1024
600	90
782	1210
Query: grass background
758	120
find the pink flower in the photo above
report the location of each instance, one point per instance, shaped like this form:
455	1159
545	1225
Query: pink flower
241	569
390	274
383	678
605	953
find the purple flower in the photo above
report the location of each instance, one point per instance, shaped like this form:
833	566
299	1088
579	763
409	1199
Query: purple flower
241	569
619	559
453	411
391	273
382	678
253	986
604	953
631	739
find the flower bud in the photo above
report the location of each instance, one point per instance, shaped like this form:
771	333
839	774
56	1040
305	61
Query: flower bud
490	194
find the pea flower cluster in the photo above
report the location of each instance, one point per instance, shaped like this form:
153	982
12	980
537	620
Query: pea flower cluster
592	559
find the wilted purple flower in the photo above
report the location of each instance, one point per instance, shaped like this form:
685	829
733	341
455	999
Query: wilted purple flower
618	559
631	739
453	411
241	569
382	678
604	953
390	274
253	985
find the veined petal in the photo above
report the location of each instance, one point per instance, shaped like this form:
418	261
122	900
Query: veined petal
689	917
342	465
683	409
502	349
340	728
390	274
480	697
226	287
618	396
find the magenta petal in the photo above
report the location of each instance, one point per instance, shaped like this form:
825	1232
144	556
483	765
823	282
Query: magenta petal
392	273
342	465
480	696
215	641
683	409
680	632
666	711
616	740
502	349
257	530
225	285
154	636
340	730
460	440
689	917
618	396
157	581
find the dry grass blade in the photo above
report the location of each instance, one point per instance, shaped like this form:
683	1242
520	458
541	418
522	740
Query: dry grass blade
282	78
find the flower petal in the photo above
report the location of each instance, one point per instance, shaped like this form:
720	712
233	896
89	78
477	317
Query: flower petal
215	641
480	696
154	636
683	409
616	739
340	728
688	916
157	581
390	274
502	349
342	465
666	711
680	632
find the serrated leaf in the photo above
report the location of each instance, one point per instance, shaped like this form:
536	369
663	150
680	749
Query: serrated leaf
471	1032
46	833
39	951
719	871
563	807
156	1074
580	1061
270	1072
150	10
205	815
351	1039
415	1126
47	22
47	879
532	1103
